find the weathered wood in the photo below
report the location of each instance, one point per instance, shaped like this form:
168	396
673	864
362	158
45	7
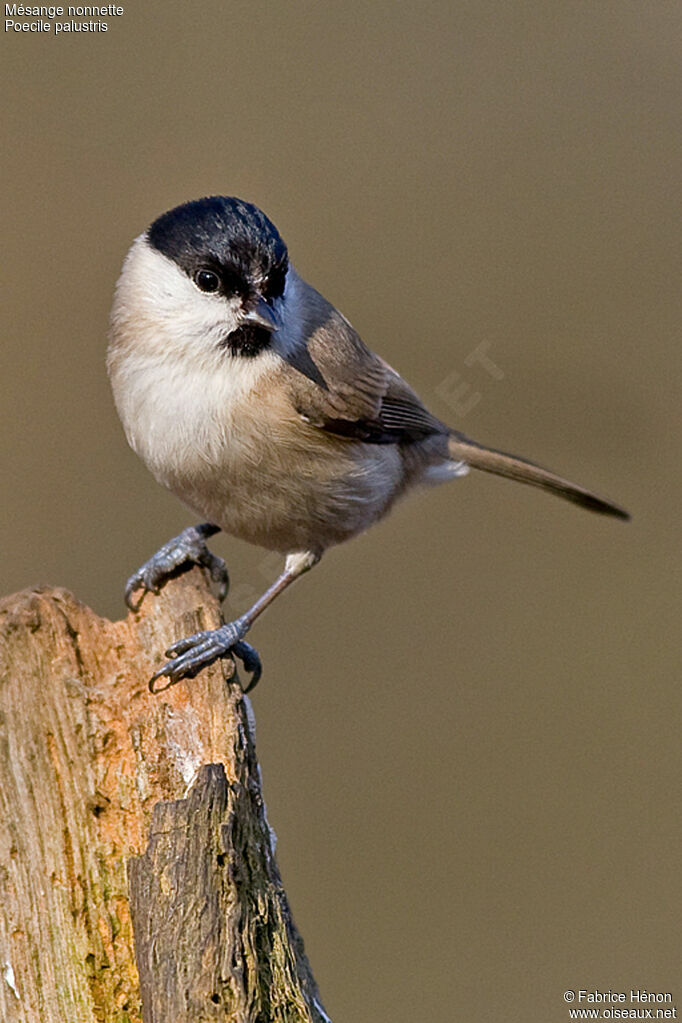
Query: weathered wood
92	767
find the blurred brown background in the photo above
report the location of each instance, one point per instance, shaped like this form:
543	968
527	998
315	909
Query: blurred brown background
469	720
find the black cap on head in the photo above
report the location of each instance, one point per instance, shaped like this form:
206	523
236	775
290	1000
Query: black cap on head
226	234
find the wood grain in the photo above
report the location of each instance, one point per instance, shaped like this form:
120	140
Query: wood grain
100	780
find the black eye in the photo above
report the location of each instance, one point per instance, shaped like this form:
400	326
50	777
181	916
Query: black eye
207	280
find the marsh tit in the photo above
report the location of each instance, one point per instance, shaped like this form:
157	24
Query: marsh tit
250	397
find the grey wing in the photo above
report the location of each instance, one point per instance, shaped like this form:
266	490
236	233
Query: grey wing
342	387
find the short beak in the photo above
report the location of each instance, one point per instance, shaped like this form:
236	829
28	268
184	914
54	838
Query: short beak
262	315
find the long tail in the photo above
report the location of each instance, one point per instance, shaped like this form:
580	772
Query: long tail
514	468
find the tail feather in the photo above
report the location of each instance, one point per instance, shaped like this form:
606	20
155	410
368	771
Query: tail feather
515	468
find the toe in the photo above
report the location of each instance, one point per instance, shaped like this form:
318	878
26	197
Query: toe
188	643
250	658
151	577
219	575
189	655
174	670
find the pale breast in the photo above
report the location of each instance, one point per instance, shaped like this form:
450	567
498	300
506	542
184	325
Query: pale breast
279	483
232	448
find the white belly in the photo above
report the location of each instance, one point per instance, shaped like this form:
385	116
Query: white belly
243	459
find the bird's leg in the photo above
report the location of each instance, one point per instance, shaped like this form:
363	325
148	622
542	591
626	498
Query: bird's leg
188	548
189	656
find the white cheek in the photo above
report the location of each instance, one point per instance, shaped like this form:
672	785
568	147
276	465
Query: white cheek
165	310
176	387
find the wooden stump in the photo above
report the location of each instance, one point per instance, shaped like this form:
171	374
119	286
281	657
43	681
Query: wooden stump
137	871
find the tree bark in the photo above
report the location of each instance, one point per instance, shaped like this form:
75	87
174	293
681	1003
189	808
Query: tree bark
138	879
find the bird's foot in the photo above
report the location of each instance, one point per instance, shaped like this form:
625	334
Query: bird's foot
188	548
189	656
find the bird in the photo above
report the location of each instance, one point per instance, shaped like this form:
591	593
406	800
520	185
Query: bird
252	398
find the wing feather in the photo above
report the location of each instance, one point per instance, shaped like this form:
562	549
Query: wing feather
342	387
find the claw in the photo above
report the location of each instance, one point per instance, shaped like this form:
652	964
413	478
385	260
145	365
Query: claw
133	605
190	655
250	658
188	548
218	570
